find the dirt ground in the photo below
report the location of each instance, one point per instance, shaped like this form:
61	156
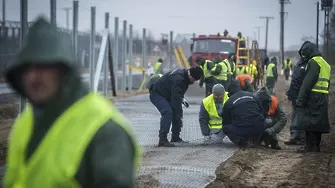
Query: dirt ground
281	168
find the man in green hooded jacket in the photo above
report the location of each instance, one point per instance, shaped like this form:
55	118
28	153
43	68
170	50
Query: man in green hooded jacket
67	136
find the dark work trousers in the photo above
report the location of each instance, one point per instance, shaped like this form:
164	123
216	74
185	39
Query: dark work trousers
209	88
287	73
313	138
295	134
164	108
234	134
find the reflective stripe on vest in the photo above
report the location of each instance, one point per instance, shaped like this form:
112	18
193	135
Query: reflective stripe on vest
269	70
252	70
207	72
215	120
240	70
229	70
224	72
322	85
58	157
287	64
242	79
241	38
273	108
157	66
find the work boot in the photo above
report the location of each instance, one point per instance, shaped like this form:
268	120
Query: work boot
275	144
307	149
176	138
163	141
294	142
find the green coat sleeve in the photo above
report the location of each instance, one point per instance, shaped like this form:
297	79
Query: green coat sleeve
109	159
312	76
280	120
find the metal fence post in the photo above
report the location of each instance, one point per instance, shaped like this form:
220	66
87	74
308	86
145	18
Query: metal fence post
75	28
92	47
53	12
144	53
105	66
24	30
124	55
130	57
116	52
171	50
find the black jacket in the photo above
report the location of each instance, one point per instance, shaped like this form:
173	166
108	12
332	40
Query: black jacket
244	111
172	86
298	75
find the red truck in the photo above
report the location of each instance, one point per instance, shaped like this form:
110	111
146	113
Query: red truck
209	46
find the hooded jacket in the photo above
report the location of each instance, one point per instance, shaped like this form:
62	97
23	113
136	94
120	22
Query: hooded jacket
109	158
315	104
242	112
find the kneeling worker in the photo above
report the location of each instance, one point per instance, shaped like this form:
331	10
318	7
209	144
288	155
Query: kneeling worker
275	117
210	112
242	116
246	82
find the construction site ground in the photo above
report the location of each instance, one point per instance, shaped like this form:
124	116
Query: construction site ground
251	167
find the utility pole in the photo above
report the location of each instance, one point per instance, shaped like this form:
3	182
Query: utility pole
258	33
67	11
326	5
267	18
317	23
282	20
3	12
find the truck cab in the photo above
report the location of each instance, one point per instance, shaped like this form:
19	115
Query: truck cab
211	46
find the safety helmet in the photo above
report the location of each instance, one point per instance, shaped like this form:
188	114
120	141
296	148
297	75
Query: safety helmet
239	34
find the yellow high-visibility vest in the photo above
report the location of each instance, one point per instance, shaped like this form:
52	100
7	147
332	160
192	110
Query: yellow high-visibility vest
224	72
240	70
229	68
322	85
252	70
57	159
215	120
156	67
269	70
207	73
287	64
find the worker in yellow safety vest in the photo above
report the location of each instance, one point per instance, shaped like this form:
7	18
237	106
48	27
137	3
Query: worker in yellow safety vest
66	136
287	66
312	101
241	70
252	70
271	75
241	40
158	69
210	113
226	33
207	78
221	71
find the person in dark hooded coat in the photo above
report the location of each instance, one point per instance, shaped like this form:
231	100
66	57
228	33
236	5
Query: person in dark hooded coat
296	136
242	116
312	101
67	136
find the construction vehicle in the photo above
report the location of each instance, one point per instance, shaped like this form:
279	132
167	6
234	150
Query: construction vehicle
211	46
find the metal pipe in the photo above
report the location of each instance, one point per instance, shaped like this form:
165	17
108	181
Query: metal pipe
317	23
144	62
24	30
105	67
53	12
92	47
130	76
116	52
4	12
75	28
124	55
171	50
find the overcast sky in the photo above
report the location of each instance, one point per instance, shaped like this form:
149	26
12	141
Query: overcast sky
189	16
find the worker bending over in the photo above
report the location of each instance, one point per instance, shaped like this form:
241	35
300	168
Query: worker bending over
242	116
167	95
211	110
220	72
158	68
312	101
246	82
207	77
67	136
275	118
287	66
271	75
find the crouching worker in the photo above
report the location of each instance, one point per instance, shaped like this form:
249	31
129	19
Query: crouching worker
210	112
167	95
275	118
246	82
242	116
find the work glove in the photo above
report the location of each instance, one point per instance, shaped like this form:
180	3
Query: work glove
185	103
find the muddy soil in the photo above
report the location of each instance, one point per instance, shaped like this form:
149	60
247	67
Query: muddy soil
281	168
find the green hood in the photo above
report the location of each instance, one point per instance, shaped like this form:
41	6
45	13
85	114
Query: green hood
44	44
